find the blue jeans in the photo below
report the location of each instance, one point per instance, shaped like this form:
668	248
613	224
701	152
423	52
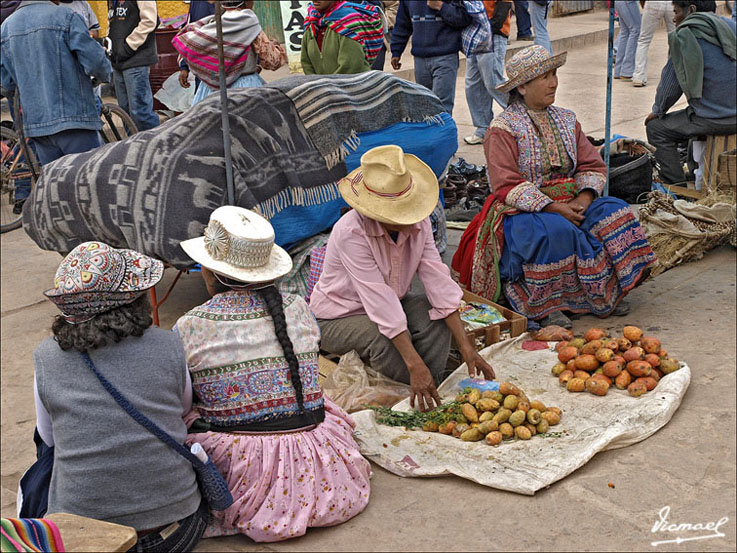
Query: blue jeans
539	16
134	95
187	533
483	73
522	17
74	141
629	31
439	74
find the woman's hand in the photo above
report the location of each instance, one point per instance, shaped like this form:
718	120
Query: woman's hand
423	388
184	78
396	64
582	202
477	365
573	213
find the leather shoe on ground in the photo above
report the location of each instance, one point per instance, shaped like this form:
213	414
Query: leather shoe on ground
18	207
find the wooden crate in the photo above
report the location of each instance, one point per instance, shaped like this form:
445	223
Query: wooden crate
515	323
715	146
727	172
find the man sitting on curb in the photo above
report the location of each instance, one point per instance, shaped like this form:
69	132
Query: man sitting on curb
362	300
701	65
435	27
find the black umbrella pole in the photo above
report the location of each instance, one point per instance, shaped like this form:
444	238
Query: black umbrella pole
224	105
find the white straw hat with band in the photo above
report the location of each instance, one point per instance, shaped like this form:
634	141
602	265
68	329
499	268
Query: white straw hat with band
239	243
391	187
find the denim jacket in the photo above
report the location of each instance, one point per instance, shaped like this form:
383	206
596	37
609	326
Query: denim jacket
49	56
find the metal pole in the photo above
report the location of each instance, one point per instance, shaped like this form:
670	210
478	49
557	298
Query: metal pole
608	124
224	105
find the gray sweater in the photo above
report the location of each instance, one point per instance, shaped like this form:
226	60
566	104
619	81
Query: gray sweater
106	465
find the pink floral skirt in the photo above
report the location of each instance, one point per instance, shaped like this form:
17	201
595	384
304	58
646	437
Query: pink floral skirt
284	483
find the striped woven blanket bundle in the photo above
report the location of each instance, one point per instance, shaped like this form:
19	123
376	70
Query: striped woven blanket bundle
359	22
292	140
336	108
29	534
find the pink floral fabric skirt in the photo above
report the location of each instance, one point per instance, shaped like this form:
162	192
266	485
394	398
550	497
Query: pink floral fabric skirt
284	483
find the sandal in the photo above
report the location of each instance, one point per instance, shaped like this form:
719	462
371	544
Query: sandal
556	318
623	308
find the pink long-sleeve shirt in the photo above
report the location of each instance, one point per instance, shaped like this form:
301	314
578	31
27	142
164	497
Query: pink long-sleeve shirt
366	273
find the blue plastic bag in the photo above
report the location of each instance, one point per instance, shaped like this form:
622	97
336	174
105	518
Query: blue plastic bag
480	384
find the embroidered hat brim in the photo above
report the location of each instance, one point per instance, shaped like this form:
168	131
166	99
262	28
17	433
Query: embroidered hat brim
278	265
533	71
412	207
140	273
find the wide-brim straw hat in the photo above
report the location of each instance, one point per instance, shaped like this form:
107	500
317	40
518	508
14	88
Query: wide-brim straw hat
391	187
94	278
529	63
239	243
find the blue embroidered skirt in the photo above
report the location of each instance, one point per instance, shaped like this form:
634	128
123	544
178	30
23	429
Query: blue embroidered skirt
549	264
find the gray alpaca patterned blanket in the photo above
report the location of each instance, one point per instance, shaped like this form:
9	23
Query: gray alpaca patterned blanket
158	187
289	141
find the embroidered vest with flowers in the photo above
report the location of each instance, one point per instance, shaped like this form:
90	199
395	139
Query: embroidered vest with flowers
238	368
517	120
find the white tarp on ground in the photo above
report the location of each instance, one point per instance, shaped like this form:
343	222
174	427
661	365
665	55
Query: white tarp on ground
589	424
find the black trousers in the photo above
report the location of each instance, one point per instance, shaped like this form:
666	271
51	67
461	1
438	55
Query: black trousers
666	133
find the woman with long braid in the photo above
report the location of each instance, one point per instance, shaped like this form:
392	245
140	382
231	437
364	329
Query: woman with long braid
286	451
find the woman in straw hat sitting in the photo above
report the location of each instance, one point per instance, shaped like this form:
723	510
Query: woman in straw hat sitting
362	299
106	465
546	236
286	452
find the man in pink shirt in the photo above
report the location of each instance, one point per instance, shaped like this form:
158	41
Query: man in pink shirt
362	300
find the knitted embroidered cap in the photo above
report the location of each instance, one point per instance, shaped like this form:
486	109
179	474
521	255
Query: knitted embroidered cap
239	243
95	278
529	63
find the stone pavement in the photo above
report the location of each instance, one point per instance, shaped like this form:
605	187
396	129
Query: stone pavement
688	465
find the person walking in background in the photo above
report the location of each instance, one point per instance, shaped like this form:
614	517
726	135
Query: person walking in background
522	19
629	29
59	112
341	37
83	8
485	70
435	27
247	49
653	11
133	37
198	9
390	13
539	10
702	64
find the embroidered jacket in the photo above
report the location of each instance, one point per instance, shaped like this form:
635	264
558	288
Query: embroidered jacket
525	148
238	368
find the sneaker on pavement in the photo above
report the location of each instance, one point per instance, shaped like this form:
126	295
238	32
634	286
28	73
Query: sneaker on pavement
638	84
626	79
473	139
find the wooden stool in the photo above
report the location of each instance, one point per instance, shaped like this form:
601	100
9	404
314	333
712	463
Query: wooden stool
715	146
82	534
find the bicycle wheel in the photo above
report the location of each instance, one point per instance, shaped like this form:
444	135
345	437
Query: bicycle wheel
17	164
117	124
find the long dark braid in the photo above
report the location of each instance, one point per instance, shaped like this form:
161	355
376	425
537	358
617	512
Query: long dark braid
273	300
